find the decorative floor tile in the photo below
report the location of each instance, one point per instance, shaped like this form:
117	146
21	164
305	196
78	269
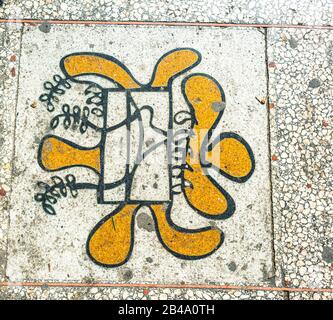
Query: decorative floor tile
141	156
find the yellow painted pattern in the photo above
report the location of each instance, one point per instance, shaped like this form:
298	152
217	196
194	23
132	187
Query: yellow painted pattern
203	94
89	64
203	194
205	98
111	242
231	156
172	64
193	244
56	154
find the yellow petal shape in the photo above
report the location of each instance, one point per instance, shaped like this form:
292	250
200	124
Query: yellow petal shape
55	154
206	98
111	241
99	65
232	156
174	63
205	195
185	243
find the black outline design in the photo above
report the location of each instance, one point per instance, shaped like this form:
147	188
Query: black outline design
58	189
235	136
100	223
142	87
76	118
183	230
100	99
58	88
207	145
132	230
71	144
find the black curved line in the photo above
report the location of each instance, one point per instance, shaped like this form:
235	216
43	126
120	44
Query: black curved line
184	120
100	223
247	147
230	202
101	55
72	144
141	135
133	117
178	73
231	206
217	120
132	231
116	61
183	230
151	111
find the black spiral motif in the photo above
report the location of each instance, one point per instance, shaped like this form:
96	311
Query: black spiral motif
75	118
96	95
96	98
182	117
52	193
55	89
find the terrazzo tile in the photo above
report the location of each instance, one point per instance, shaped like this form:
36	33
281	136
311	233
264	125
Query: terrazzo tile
300	90
308	12
54	293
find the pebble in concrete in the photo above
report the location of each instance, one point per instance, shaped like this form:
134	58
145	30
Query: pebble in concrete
301	89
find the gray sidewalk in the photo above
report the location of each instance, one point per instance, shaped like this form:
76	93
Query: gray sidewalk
278	84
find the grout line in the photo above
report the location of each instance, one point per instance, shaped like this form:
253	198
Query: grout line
167	23
181	286
14	139
269	141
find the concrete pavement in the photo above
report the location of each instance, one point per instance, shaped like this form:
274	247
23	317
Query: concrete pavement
81	103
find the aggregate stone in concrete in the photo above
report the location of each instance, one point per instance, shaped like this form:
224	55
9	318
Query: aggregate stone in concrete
70	293
301	82
306	12
52	246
